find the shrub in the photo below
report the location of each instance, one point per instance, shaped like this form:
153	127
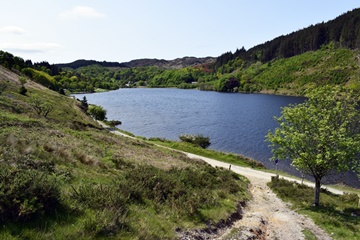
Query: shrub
41	107
198	140
24	193
22	90
97	112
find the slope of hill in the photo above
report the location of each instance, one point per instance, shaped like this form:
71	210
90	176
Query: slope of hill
62	176
326	66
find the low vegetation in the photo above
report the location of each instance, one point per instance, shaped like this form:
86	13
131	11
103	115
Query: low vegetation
339	215
197	140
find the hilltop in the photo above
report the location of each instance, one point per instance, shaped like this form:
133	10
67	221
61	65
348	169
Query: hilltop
146	62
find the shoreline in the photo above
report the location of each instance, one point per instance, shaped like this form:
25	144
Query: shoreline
245	171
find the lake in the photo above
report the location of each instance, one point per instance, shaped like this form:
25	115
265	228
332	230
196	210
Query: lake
234	122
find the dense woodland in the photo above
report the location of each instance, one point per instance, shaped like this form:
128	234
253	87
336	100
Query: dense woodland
325	53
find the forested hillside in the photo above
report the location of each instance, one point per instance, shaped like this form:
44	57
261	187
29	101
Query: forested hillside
343	30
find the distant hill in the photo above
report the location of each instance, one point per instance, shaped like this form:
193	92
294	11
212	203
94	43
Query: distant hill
83	63
171	64
161	63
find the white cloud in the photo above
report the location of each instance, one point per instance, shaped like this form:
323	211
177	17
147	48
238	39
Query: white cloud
79	12
29	47
12	29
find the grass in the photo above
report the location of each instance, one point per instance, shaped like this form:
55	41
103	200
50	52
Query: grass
309	235
335	213
110	186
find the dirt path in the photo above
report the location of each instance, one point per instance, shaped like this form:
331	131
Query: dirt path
265	216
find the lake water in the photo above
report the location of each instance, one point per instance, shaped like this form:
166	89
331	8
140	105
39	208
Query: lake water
234	122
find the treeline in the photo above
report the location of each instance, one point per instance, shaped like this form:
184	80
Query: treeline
58	79
344	31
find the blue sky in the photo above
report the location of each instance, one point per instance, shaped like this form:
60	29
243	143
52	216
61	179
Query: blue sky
118	30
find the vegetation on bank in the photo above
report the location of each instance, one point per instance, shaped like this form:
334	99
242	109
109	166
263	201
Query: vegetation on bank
64	177
338	215
221	156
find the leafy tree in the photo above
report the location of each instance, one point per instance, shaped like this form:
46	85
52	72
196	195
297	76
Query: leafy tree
321	136
40	107
22	89
97	112
84	104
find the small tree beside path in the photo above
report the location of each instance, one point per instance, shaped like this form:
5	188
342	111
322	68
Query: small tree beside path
321	135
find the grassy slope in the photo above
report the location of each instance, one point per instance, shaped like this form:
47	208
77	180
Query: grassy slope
158	190
328	65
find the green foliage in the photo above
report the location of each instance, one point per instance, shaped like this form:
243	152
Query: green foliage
112	123
41	108
320	135
97	112
22	80
335	214
42	78
25	193
198	140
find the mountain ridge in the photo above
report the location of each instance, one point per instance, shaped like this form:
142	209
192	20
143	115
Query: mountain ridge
143	62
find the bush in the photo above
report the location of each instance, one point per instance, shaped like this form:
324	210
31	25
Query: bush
198	140
24	193
42	108
97	112
22	90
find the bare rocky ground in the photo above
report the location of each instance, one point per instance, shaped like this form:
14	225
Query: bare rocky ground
267	217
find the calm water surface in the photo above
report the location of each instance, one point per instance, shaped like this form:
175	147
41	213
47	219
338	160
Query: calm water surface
234	122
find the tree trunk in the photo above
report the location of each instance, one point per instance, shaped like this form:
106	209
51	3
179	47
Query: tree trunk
317	192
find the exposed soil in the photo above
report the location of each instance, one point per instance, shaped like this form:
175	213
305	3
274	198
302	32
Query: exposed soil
267	217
